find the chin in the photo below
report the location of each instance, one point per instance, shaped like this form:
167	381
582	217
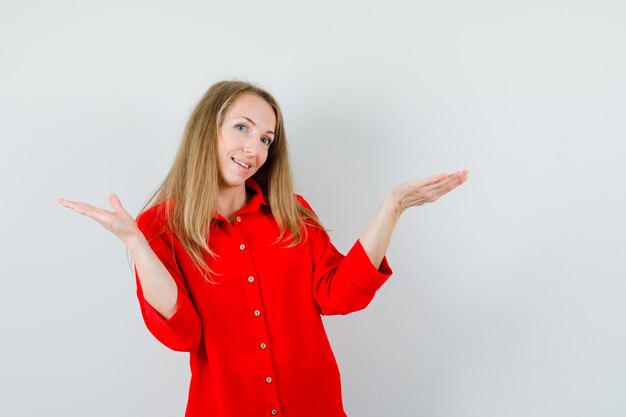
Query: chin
233	182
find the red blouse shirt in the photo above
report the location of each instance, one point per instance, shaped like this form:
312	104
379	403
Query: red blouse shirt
256	339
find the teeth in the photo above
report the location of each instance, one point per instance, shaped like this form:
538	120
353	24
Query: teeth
241	163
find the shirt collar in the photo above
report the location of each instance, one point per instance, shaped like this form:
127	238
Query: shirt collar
255	202
257	199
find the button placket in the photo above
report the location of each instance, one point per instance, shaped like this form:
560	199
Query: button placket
260	330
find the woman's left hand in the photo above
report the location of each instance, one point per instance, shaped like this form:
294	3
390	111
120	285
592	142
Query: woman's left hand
375	239
426	190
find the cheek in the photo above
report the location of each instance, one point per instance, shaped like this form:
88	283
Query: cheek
265	156
220	152
222	145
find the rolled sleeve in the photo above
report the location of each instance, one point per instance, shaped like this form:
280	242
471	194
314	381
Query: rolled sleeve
343	284
182	331
371	279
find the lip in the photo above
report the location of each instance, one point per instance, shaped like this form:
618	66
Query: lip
245	161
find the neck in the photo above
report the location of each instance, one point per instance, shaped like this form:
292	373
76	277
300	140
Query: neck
230	200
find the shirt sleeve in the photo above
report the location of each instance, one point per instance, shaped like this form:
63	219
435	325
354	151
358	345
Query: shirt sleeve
182	331
342	284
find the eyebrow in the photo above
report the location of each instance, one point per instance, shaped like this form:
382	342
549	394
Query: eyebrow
254	124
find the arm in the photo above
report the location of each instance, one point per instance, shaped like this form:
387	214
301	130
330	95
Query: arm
158	287
375	239
165	304
342	284
162	290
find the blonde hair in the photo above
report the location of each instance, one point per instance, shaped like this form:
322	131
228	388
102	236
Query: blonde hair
190	188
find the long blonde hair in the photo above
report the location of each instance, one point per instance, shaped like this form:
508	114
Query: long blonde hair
190	189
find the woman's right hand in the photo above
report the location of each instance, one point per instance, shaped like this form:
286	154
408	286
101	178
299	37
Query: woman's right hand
119	221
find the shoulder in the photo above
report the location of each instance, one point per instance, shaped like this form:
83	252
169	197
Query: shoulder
311	220
153	220
303	202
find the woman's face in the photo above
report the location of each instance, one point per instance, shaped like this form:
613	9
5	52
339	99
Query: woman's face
244	139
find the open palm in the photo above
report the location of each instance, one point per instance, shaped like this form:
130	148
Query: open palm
426	190
119	221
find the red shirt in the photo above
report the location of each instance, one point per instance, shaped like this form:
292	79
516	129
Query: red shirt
256	339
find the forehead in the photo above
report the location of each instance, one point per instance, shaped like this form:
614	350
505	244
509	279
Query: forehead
255	108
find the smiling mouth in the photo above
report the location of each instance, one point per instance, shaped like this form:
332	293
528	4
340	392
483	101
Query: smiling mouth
241	163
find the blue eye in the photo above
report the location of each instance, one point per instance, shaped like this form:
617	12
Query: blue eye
265	140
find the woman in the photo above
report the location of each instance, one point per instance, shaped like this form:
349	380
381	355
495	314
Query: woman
234	268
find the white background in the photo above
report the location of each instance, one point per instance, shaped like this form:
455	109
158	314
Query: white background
507	297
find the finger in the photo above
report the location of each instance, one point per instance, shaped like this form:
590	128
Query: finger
461	177
434	179
116	203
462	174
451	184
425	184
64	202
96	213
442	188
439	184
455	178
431	189
77	205
74	205
102	216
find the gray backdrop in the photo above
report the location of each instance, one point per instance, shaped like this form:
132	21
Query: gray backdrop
507	297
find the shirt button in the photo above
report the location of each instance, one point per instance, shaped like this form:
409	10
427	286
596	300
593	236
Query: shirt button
268	379
242	246
274	411
257	313
250	278
238	219
263	345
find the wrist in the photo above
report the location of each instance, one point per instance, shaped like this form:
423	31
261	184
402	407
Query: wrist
136	241
391	206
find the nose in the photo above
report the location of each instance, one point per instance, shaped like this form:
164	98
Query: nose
251	146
